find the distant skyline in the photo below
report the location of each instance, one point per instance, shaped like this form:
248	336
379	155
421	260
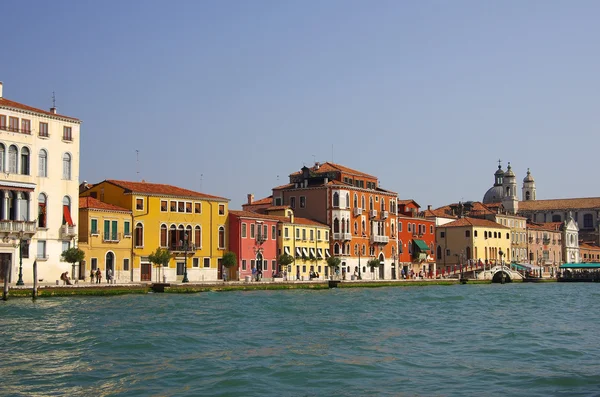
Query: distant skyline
230	97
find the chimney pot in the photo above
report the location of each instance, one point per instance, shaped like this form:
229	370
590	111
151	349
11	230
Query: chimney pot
53	110
429	207
0	89
250	198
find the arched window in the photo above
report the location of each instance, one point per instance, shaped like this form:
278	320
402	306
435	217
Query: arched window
43	163
12	159
139	235
336	249
336	199
355	200
67	220
42	210
67	166
188	231
364	249
371	203
572	239
24	161
336	225
410	247
362	200
382	203
364	226
221	237
439	252
355	227
347	200
2	157
343	226
163	235
556	218
468	251
392	228
588	221
198	237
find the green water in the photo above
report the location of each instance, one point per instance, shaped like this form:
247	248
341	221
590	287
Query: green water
462	340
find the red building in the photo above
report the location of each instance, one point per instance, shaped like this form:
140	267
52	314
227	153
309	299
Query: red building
253	239
416	240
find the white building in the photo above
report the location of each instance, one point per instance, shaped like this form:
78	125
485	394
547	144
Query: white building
39	172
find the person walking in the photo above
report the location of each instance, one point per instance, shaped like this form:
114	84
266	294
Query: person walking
98	276
108	275
92	276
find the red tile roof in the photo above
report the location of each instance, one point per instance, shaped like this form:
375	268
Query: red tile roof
461	222
161	190
408	202
285	219
286	186
333	167
548	226
278	207
266	200
92	203
19	106
560	204
589	247
437	213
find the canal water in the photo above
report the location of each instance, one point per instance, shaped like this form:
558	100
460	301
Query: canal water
462	340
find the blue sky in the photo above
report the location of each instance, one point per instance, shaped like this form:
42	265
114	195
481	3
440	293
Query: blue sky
230	97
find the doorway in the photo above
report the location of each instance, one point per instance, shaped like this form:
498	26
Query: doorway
145	272
5	262
110	263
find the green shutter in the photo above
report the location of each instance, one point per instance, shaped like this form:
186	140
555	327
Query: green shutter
114	231
126	228
94	226
106	230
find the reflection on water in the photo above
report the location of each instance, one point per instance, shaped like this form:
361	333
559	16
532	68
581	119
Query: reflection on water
444	340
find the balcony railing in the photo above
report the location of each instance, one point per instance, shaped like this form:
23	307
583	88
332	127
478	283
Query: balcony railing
373	213
261	238
357	211
546	241
68	230
384	214
342	236
15	129
111	238
379	239
182	247
18	226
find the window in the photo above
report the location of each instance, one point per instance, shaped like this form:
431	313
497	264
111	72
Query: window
244	264
265	232
362	202
65	245
442	234
293	202
326	235
252	227
67	166
163	235
243	230
67	220
139	235
173	206
302	202
164	206
94	227
336	199
399	227
285	233
467	233
43	130
67	134
206	262
2	157
475	233
126	264
431	230
355	203
126	229
198	237
195	262
41	249
42	163
2	122
303	234
110	230
273	232
42	210
94	264
588	221
26	126
273	265
180	206
13	124
409	227
197	208
12	159
221	237
139	204
297	234
221	209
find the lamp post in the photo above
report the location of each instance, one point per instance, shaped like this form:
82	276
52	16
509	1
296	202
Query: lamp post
501	253
185	250
20	246
358	252
540	260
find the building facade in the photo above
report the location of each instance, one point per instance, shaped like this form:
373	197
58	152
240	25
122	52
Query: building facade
192	225
545	246
361	214
39	172
416	241
105	235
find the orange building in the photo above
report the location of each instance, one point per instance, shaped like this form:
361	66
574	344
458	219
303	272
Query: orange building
361	215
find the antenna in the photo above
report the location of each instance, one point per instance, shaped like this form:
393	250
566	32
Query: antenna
332	152
53	100
314	158
137	159
201	178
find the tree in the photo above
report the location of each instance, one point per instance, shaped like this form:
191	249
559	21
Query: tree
334	263
229	260
160	258
373	263
72	256
284	260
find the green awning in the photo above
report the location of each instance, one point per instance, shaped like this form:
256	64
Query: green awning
422	245
590	265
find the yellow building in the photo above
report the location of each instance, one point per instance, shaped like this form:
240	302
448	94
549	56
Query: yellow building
191	225
307	241
105	237
472	239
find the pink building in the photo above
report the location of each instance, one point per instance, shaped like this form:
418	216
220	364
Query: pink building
253	239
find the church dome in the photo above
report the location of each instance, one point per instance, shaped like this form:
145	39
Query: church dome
528	178
493	195
499	171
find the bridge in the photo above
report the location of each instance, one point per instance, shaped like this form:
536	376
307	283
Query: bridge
495	274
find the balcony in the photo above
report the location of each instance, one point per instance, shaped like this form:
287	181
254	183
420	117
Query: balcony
182	247
261	238
357	211
15	129
384	214
530	240
342	236
379	239
546	241
373	213
111	238
18	227
68	231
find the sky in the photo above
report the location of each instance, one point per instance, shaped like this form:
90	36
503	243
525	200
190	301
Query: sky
230	97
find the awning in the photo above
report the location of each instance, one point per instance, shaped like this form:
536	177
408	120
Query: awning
305	252
18	186
523	266
591	265
320	253
67	215
327	254
313	253
286	250
422	245
298	253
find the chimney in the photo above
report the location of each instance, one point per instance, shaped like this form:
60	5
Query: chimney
429	207
291	215
250	198
0	90
53	110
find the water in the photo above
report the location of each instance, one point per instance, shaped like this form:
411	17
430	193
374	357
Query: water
463	340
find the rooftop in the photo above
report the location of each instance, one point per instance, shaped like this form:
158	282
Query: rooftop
161	190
